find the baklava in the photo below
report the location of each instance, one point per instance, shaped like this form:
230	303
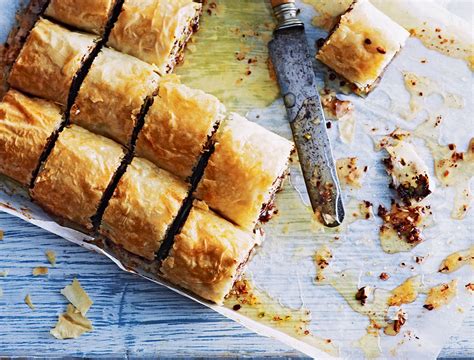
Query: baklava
362	44
26	125
74	178
155	31
49	61
208	254
245	171
87	15
142	208
112	95
408	171
178	127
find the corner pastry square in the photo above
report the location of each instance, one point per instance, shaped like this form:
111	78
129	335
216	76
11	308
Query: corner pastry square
75	176
362	45
112	95
87	15
26	125
142	208
155	31
49	61
208	254
178	127
245	171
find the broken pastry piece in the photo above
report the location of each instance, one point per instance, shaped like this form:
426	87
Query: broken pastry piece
112	95
208	254
362	45
74	178
245	171
408	171
178	127
155	31
142	208
49	61
26	125
87	15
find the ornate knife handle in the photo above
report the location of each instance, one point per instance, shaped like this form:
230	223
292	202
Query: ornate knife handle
286	13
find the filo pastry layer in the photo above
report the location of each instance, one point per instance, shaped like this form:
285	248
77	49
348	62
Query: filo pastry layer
87	15
208	254
245	170
155	31
75	176
142	208
112	95
26	124
178	127
49	60
362	44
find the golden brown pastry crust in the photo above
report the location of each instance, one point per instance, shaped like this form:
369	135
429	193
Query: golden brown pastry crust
87	15
362	44
149	29
76	174
49	61
177	126
25	127
207	254
144	204
112	94
247	161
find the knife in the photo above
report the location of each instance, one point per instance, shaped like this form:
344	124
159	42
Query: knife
289	53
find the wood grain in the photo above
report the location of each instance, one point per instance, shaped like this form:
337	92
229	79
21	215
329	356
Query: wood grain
131	316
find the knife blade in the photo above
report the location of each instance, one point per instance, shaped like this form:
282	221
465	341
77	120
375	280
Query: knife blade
292	61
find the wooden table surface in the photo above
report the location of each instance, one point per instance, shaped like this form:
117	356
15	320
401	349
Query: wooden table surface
131	316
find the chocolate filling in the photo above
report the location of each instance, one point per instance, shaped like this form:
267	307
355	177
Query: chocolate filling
269	209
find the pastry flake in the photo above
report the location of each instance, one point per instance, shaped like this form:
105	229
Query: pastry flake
208	255
155	31
26	125
245	171
362	44
77	296
87	15
142	208
76	174
112	95
49	61
71	324
178	127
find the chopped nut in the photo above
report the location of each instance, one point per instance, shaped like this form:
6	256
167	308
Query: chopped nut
71	324
77	296
51	256
393	327
348	172
469	286
363	294
40	270
403	220
384	276
28	302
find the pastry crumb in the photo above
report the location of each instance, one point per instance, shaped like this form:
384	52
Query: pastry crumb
349	173
71	324
40	270
440	295
29	302
4	273
1	234
405	293
51	256
77	296
321	259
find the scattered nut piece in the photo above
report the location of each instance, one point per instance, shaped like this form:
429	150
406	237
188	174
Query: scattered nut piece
51	256
469	287
71	324
441	295
405	293
28	302
363	295
384	276
77	296
393	327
